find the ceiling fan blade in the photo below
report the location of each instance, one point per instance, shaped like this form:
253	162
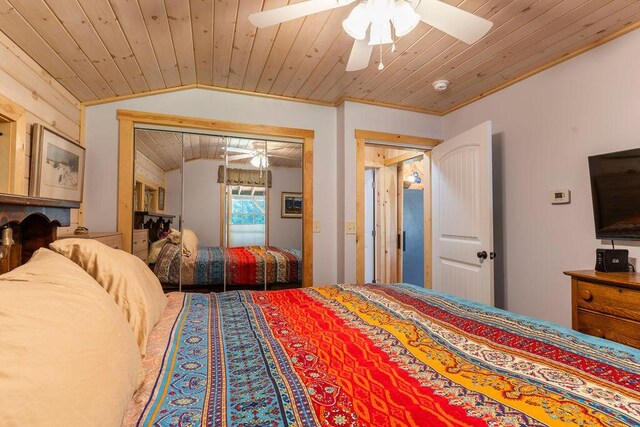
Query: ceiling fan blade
239	157
360	55
266	18
284	157
238	150
456	22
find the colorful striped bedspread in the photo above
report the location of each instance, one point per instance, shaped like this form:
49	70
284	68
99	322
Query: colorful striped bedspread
378	356
245	266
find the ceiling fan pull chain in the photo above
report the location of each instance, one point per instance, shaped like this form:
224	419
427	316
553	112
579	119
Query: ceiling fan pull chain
380	65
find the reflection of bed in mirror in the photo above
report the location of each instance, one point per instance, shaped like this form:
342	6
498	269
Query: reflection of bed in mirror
246	266
228	192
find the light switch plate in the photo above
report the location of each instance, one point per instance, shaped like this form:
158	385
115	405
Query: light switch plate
350	227
316	226
558	197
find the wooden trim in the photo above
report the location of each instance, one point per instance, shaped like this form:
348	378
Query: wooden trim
82	141
396	138
127	121
205	87
400	218
126	156
360	207
137	95
361	137
428	250
13	199
343	99
140	117
17	117
546	66
307	211
402	158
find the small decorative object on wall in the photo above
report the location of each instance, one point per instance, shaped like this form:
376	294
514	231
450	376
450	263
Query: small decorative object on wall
57	166
291	206
160	199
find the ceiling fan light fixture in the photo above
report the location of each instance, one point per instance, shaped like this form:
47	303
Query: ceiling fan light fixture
380	33
357	22
405	19
255	161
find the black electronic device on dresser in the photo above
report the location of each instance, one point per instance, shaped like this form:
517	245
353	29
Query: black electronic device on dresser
612	260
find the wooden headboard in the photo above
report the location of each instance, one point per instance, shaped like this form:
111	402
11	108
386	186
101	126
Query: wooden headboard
34	222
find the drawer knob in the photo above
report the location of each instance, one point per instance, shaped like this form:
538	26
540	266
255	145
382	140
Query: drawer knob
586	295
597	333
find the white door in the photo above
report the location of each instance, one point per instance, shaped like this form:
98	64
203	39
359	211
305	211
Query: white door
463	215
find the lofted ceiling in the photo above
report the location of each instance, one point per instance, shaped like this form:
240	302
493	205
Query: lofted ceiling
164	148
99	49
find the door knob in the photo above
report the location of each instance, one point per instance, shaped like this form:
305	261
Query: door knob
492	255
482	255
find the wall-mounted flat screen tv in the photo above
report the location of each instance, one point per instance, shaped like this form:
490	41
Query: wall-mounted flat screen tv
615	190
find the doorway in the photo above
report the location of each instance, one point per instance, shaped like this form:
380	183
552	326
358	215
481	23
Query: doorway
394	214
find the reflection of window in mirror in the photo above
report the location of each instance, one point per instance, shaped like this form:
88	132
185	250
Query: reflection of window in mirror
247	225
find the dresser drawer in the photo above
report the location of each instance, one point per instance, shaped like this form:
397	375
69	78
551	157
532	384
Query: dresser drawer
602	326
114	241
140	241
111	239
142	254
611	300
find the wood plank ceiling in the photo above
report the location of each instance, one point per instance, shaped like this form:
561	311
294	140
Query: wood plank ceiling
99	49
165	149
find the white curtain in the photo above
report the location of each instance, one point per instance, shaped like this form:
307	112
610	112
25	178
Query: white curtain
246	235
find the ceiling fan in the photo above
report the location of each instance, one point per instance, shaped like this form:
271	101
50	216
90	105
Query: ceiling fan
377	17
259	156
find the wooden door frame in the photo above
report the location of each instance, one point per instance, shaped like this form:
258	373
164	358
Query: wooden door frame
361	137
126	177
16	116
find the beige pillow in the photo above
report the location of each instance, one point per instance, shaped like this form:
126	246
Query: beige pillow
67	355
127	278
154	250
189	242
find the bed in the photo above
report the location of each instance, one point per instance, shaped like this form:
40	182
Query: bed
89	339
245	266
375	355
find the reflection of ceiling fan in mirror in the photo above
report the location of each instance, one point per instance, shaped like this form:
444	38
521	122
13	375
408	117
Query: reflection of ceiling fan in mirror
376	18
258	155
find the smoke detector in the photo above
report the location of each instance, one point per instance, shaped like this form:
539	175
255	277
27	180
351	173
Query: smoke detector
440	85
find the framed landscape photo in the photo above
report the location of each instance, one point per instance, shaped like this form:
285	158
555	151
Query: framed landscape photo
160	199
57	166
291	205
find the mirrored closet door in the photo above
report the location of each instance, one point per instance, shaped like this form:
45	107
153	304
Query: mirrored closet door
264	213
157	201
232	211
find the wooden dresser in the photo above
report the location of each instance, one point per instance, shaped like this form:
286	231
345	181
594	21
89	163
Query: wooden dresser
606	305
114	240
110	238
141	243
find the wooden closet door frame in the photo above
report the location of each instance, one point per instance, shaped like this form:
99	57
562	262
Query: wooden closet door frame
129	119
400	141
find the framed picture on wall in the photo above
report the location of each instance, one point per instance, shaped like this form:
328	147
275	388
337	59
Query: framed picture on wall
160	198
291	205
57	166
